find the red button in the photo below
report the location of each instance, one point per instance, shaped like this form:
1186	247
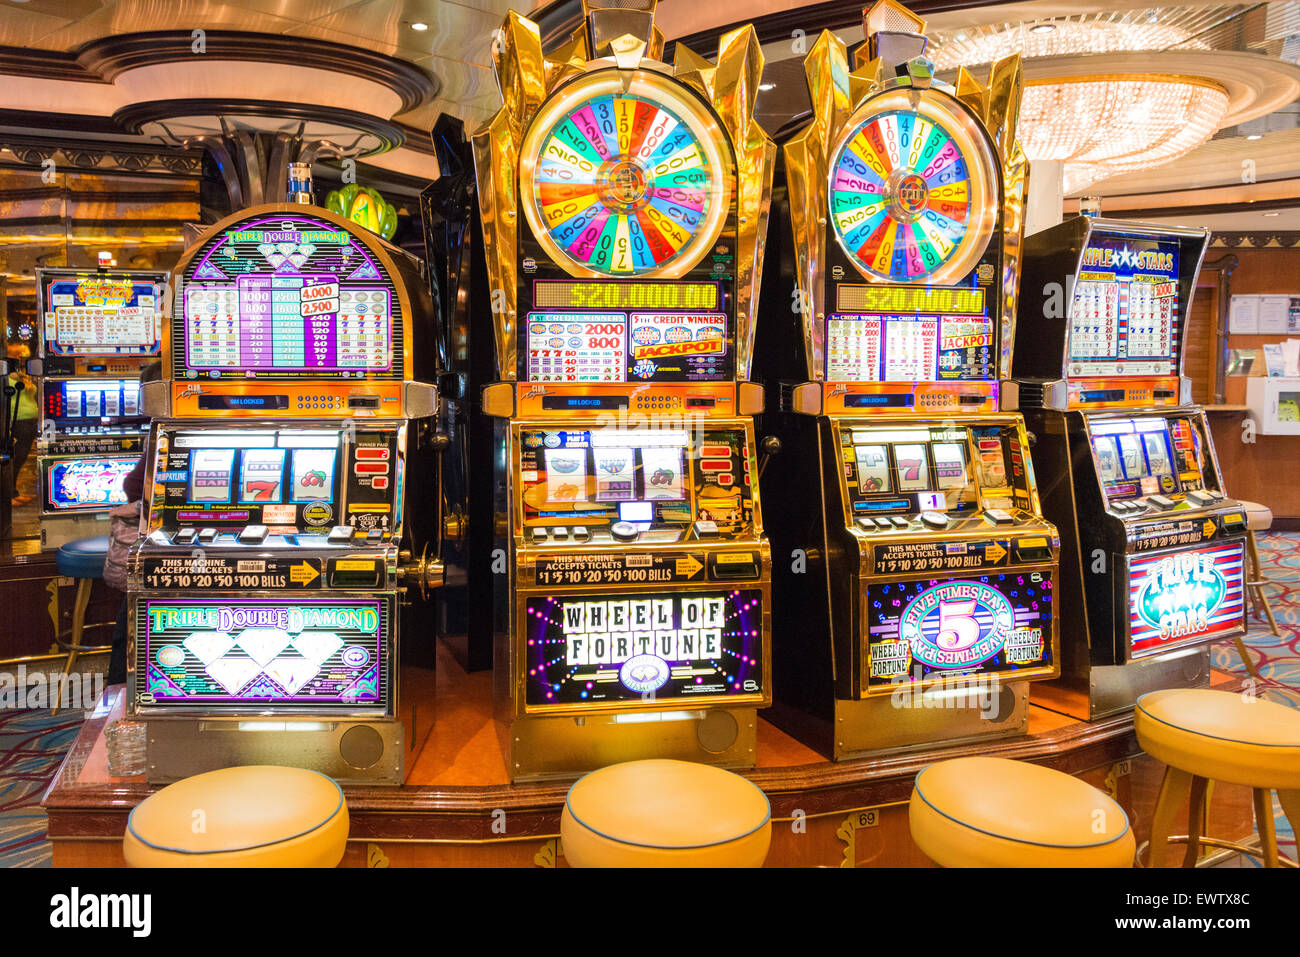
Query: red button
379	481
715	465
369	468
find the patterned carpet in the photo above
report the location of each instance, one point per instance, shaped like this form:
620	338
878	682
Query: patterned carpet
1277	658
32	743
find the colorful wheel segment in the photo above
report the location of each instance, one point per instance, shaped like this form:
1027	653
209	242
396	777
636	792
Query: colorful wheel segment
903	194
624	186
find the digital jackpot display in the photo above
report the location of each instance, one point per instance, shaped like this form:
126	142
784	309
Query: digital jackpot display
283	297
935	628
312	653
74	484
1185	597
666	645
1124	318
101	314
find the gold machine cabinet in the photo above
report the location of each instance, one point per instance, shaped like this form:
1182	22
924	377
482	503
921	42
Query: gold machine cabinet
633	612
914	592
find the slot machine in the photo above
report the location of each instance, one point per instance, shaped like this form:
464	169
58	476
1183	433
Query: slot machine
914	583
281	547
97	329
625	287
1152	546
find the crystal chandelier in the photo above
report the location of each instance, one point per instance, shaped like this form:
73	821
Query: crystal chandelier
1059	38
1100	126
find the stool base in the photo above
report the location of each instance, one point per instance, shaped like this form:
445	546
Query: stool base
1256	852
565	747
180	748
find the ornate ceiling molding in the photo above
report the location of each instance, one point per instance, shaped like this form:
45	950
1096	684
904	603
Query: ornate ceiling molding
1256	240
86	156
103	60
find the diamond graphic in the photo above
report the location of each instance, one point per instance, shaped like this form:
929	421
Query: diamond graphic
297	259
307	249
292	673
232	673
317	646
263	687
208	646
275	259
365	271
266	249
286	248
263	644
209	271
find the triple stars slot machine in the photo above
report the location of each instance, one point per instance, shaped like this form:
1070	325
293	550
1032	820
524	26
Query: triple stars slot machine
98	329
638	571
915	580
281	545
1152	546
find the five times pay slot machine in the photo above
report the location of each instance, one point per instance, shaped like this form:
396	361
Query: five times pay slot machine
914	591
97	330
1152	548
637	619
280	543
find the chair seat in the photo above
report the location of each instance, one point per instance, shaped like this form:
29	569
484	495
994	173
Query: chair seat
992	812
665	814
1222	736
259	816
1259	518
83	558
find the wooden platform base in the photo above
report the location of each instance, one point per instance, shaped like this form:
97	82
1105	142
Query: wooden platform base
457	807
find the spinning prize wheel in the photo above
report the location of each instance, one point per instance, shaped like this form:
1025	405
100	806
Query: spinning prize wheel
913	188
622	182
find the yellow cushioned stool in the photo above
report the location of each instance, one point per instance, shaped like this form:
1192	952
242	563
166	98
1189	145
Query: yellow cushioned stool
991	812
665	814
260	816
1205	736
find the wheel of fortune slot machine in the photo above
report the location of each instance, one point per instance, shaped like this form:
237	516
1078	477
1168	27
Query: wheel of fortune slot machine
282	544
98	329
1153	547
626	283
914	582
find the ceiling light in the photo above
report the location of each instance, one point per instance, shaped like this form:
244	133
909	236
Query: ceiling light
1255	136
419	27
1064	38
1103	125
1272	214
767	86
